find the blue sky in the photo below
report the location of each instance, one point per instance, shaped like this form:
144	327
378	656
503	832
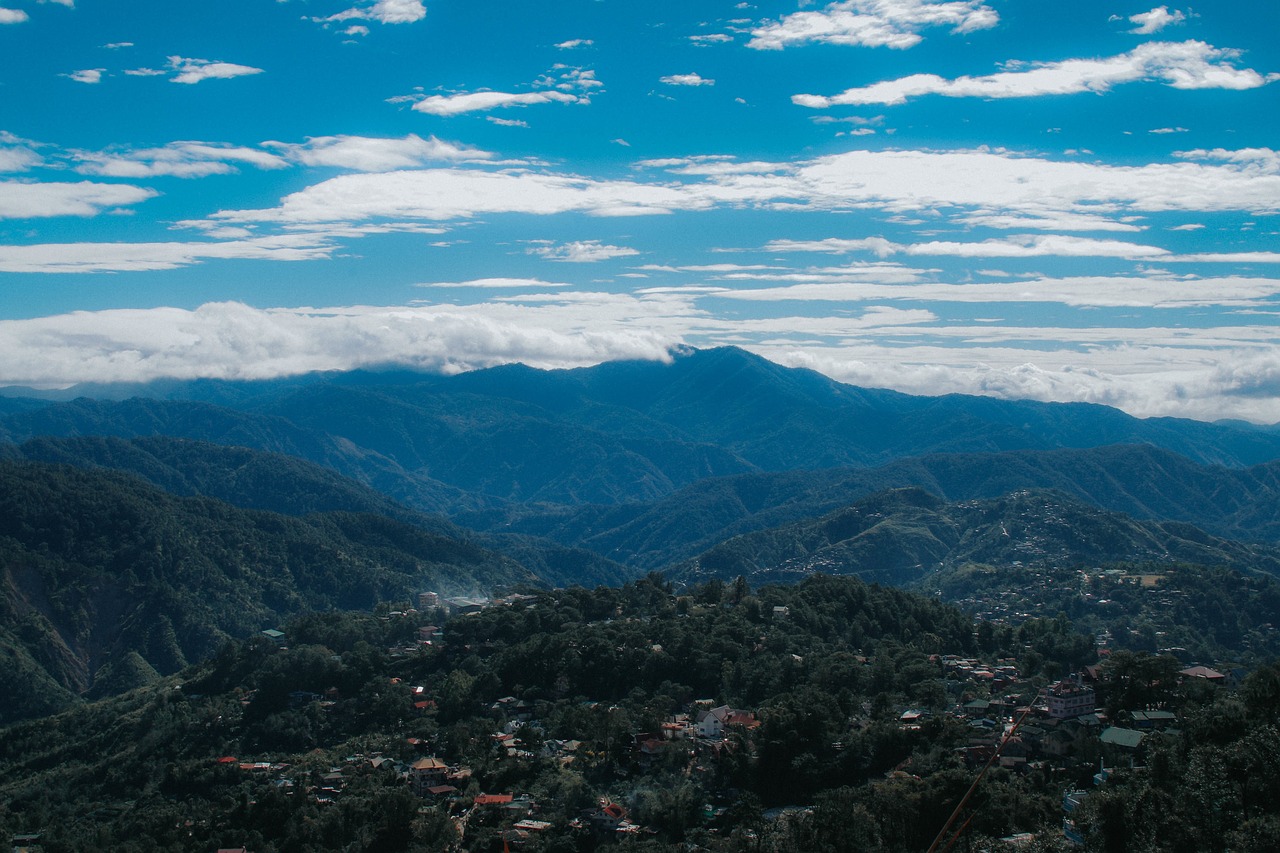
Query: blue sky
1051	201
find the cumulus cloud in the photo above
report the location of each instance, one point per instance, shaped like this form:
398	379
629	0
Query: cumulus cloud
375	154
873	23
12	16
582	251
191	71
1182	65
1155	20
25	200
687	80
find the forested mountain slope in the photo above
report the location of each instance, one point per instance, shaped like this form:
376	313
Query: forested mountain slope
107	580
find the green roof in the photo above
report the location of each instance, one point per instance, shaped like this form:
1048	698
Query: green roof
1126	738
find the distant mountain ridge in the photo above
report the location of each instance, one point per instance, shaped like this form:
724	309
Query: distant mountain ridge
616	433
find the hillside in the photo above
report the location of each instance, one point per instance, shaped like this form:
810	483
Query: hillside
252	479
1139	480
104	575
903	536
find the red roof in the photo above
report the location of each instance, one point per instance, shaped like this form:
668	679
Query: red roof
493	799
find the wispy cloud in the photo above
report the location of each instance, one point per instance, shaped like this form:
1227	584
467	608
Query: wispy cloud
177	159
1182	65
563	84
375	154
138	257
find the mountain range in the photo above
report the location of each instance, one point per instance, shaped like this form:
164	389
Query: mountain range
145	523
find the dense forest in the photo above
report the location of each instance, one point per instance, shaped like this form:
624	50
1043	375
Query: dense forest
545	711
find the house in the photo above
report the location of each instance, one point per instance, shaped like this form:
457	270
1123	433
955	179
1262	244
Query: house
493	799
1070	698
609	817
1210	675
1127	739
275	636
711	724
1153	719
426	773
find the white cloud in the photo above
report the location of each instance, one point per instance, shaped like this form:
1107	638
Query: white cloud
506	122
582	251
1182	65
1259	160
498	283
1165	292
375	154
442	194
23	200
192	71
356	30
1148	371
232	340
1162	130
687	80
873	23
1019	246
12	16
17	155
86	75
711	38
575	43
177	159
982	184
383	11
117	45
1155	20
138	257
452	105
